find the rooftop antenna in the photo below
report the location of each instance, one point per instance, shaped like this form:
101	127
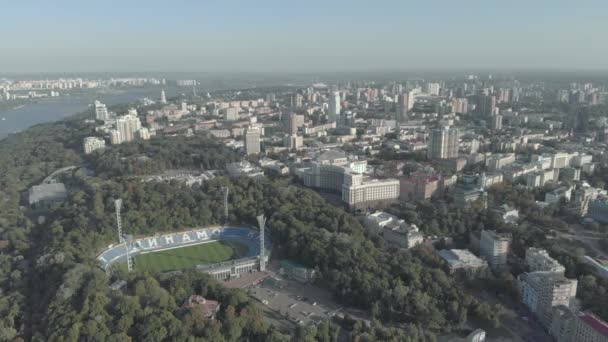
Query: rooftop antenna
262	224
121	236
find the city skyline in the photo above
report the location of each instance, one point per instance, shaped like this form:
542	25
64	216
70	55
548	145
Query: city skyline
271	36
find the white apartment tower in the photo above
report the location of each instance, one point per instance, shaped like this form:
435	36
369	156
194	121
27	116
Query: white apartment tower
127	126
402	107
334	106
101	112
252	140
93	143
443	143
163	97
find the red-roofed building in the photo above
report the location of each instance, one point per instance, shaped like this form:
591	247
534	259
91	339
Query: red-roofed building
590	328
419	186
208	307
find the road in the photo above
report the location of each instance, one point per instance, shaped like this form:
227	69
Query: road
589	239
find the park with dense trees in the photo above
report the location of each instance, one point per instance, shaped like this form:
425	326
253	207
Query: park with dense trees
52	288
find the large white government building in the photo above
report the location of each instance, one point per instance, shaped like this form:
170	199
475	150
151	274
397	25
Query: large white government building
360	192
332	171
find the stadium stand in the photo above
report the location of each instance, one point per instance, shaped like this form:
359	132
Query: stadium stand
246	236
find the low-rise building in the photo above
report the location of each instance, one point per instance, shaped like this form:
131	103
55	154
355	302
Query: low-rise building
570	174
589	328
419	186
507	213
499	161
378	220
583	195
458	259
541	177
486	180
402	235
464	195
556	195
45	195
570	325
244	168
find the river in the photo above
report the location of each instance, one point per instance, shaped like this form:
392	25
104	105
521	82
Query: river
53	109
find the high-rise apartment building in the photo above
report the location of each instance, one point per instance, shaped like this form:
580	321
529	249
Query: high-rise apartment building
443	143
504	95
101	112
163	97
460	105
291	124
334	106
252	140
494	247
297	100
486	105
115	137
231	113
496	122
93	143
432	88
126	126
143	133
293	141
402	107
541	291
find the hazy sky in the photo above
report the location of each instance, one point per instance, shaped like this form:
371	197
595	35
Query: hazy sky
302	35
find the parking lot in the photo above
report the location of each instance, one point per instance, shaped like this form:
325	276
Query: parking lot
300	303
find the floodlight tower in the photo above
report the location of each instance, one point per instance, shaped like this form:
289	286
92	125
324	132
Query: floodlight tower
118	206
121	236
262	224
226	190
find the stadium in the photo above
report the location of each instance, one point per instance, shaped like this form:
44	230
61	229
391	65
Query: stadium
224	252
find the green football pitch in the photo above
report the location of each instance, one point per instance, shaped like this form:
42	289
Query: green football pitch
189	257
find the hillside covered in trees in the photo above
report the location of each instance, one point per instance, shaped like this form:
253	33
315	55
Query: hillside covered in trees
54	290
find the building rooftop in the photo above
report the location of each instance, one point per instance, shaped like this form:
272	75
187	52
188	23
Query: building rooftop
595	323
542	260
47	192
461	258
331	155
498	236
542	276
